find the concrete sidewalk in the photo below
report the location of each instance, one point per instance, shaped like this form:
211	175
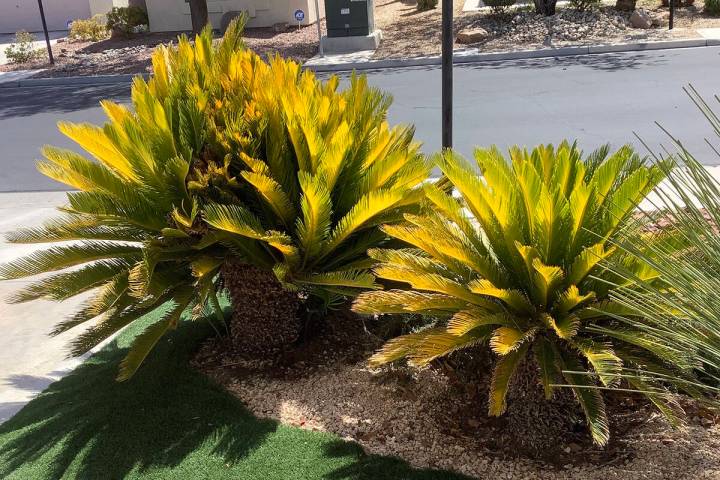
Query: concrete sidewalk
30	359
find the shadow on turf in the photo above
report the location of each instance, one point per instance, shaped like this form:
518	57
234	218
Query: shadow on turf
165	412
89	426
374	467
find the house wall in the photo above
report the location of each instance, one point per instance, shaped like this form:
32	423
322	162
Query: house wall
102	7
24	14
174	15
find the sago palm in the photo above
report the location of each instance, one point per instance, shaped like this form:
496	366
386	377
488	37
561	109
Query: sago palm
293	175
225	172
515	263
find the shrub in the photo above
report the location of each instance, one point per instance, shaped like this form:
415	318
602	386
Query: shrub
125	20
423	5
499	6
585	5
522	271
686	316
228	172
91	29
22	50
712	7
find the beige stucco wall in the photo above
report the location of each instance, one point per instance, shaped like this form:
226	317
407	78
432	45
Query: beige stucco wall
24	14
104	6
174	15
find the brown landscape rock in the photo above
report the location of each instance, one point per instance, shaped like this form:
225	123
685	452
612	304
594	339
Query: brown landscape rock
472	35
641	19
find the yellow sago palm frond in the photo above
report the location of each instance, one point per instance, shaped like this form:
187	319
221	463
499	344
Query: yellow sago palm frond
515	261
222	157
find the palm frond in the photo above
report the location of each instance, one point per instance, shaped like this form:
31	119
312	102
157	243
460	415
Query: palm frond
502	377
65	285
589	398
58	258
144	343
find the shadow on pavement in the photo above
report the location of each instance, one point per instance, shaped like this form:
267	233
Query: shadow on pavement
30	383
609	62
25	101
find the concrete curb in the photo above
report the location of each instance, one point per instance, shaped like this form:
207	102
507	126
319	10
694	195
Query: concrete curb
64	81
460	57
470	57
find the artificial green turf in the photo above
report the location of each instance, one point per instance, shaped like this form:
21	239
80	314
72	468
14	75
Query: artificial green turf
170	422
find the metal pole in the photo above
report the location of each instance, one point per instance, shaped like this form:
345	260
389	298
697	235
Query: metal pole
47	35
672	14
317	14
447	73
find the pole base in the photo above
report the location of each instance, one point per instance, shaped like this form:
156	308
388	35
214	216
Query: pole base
352	43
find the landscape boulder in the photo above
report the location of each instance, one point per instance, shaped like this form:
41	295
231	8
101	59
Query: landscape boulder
641	19
472	35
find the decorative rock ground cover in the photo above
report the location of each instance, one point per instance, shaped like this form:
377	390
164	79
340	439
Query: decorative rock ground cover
407	33
428	419
122	56
528	28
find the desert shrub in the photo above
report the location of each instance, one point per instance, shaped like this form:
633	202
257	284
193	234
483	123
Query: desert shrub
686	316
712	7
518	265
91	29
22	50
423	5
584	5
126	20
228	172
499	6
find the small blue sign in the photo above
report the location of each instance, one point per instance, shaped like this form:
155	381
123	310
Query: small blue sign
299	15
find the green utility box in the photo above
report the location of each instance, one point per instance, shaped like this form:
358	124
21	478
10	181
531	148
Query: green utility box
348	18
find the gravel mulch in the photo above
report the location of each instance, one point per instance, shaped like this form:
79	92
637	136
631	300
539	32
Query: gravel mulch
432	420
106	57
133	55
408	33
298	44
568	27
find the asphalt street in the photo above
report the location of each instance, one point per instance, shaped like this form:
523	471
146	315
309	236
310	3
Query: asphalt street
594	99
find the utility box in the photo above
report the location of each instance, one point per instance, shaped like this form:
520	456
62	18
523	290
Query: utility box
349	18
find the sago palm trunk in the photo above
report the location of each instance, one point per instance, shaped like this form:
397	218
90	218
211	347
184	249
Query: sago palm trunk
540	425
265	315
